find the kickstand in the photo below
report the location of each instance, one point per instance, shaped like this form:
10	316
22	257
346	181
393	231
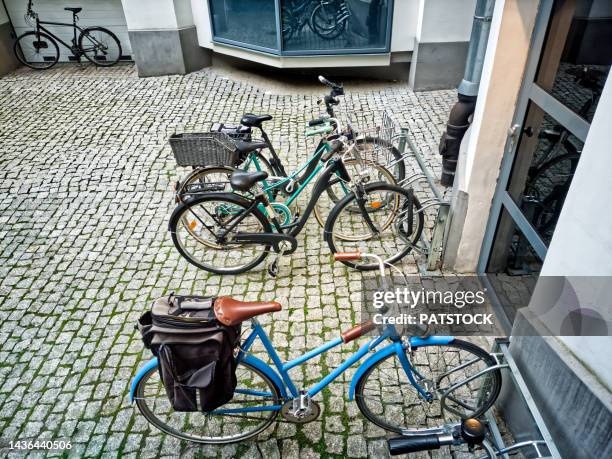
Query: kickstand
274	266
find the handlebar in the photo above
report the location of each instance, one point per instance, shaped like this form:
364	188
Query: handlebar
331	84
353	256
469	431
330	100
413	444
336	146
318	121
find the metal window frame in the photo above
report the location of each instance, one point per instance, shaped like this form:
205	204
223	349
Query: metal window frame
279	51
530	92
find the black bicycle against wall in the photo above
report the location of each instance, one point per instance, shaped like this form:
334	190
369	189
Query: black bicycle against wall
38	49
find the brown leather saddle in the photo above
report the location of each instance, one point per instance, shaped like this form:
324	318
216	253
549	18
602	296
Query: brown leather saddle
231	312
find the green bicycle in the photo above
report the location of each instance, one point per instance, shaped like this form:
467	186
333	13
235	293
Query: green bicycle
229	233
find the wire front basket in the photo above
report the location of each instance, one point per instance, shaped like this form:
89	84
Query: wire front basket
203	149
375	133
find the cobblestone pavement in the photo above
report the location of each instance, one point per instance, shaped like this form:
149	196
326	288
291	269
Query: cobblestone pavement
85	178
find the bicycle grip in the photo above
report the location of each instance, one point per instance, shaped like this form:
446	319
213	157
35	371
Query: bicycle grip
412	444
317	121
347	256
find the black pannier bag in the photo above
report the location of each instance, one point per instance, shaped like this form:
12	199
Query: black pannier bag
195	351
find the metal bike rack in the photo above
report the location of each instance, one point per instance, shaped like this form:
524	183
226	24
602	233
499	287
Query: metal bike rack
504	360
432	250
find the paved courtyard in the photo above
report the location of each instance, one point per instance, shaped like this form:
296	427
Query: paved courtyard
85	195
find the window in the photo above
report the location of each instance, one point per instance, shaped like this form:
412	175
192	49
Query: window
304	27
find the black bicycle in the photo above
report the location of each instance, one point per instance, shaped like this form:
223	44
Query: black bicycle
38	49
326	18
231	233
374	145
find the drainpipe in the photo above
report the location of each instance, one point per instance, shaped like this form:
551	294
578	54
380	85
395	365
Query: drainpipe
467	91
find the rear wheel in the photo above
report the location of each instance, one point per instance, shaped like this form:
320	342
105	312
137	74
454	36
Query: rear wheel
197	225
36	50
254	389
204	179
100	46
387	398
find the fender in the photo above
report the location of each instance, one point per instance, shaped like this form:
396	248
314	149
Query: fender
150	364
392	349
250	359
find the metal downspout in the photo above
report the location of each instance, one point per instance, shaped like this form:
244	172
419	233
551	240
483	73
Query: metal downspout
458	121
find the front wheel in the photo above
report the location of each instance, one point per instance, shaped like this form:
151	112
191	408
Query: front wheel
386	397
100	46
256	395
373	172
36	50
381	219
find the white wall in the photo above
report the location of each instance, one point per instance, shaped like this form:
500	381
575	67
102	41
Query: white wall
3	17
201	19
157	15
105	13
404	28
582	242
184	16
447	21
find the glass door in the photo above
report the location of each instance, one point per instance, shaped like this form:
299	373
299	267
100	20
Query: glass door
569	63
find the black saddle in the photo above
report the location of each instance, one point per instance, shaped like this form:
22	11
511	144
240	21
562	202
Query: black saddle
75	10
244	181
247	147
250	119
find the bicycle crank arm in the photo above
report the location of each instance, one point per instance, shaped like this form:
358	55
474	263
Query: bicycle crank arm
274	239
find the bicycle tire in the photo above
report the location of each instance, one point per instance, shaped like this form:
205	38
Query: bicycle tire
112	36
20	44
411	240
234	200
333	196
456	344
186	188
322	31
164	427
399	168
199	172
552	200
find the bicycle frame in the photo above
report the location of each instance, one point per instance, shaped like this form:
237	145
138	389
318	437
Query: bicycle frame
303	176
333	166
280	376
75	27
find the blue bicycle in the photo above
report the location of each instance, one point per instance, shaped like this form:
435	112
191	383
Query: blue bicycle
402	381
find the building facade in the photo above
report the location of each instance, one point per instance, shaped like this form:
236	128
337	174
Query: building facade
424	40
529	211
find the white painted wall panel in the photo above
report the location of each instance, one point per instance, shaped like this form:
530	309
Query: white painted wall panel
105	13
405	22
582	242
